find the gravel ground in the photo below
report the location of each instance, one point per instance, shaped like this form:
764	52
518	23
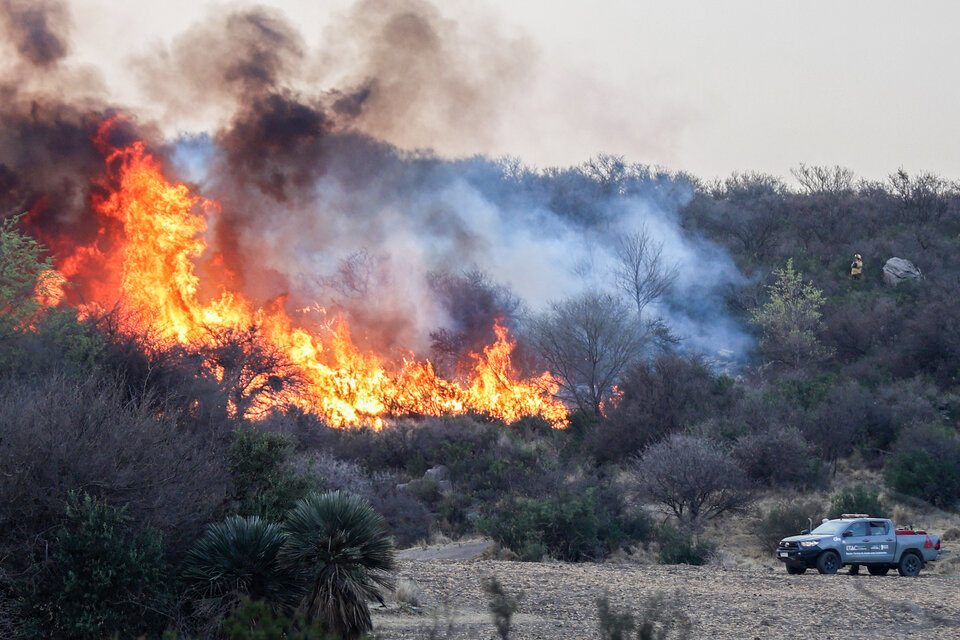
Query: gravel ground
559	601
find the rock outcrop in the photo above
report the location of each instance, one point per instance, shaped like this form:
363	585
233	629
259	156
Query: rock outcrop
897	270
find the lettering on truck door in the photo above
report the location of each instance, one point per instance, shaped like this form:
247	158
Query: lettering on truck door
881	541
867	542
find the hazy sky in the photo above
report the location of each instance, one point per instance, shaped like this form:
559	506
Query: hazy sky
703	86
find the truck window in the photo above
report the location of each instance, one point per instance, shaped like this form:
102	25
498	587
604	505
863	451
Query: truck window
878	528
858	529
832	528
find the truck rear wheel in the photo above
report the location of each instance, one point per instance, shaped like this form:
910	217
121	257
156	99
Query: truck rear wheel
828	562
910	564
878	570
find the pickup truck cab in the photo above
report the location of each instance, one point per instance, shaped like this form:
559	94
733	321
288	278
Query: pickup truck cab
856	539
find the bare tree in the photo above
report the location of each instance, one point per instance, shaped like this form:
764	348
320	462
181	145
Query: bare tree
357	273
640	271
588	342
253	373
692	478
815	180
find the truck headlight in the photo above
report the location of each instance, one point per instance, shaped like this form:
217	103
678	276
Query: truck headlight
809	543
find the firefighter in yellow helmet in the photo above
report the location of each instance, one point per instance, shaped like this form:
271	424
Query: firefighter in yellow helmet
856	267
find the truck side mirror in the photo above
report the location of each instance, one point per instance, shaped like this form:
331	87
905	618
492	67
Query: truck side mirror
805	532
847	534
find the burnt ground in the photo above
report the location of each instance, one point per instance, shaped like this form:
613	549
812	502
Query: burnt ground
765	602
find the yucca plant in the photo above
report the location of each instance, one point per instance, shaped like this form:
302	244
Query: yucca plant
340	545
240	557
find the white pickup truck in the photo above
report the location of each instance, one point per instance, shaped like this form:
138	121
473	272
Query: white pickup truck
856	539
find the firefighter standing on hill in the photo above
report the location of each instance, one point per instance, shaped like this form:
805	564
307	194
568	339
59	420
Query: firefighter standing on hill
856	267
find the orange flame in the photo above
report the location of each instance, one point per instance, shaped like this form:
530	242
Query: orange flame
162	242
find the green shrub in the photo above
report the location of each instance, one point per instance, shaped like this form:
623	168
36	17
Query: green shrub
680	547
253	620
807	392
573	525
104	579
783	520
926	465
264	483
858	499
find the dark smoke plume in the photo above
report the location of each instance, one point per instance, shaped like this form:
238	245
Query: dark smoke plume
325	205
37	28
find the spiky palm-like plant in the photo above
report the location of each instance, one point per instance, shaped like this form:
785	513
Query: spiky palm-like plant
239	557
340	544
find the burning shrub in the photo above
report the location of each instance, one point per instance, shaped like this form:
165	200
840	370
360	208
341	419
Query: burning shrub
473	303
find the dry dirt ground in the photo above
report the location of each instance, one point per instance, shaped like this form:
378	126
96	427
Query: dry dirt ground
559	600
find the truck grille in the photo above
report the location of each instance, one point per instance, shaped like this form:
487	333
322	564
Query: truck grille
789	545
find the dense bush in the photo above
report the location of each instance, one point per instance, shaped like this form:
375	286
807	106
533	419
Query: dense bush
104	578
679	546
327	560
407	518
264	482
778	456
860	498
657	398
926	465
788	518
256	620
575	524
61	433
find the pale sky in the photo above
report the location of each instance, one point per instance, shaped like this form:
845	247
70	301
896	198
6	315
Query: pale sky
707	87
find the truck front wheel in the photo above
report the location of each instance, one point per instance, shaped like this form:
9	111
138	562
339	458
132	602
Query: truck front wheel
910	564
828	562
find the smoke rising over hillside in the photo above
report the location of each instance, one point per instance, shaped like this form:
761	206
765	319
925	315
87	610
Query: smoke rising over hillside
315	206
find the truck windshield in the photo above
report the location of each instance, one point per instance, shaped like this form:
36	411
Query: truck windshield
830	528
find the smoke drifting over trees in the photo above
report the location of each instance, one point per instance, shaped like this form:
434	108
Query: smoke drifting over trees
304	179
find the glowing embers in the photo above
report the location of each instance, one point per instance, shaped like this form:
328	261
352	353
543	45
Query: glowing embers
175	292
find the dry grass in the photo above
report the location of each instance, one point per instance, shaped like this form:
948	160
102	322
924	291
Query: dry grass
408	593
